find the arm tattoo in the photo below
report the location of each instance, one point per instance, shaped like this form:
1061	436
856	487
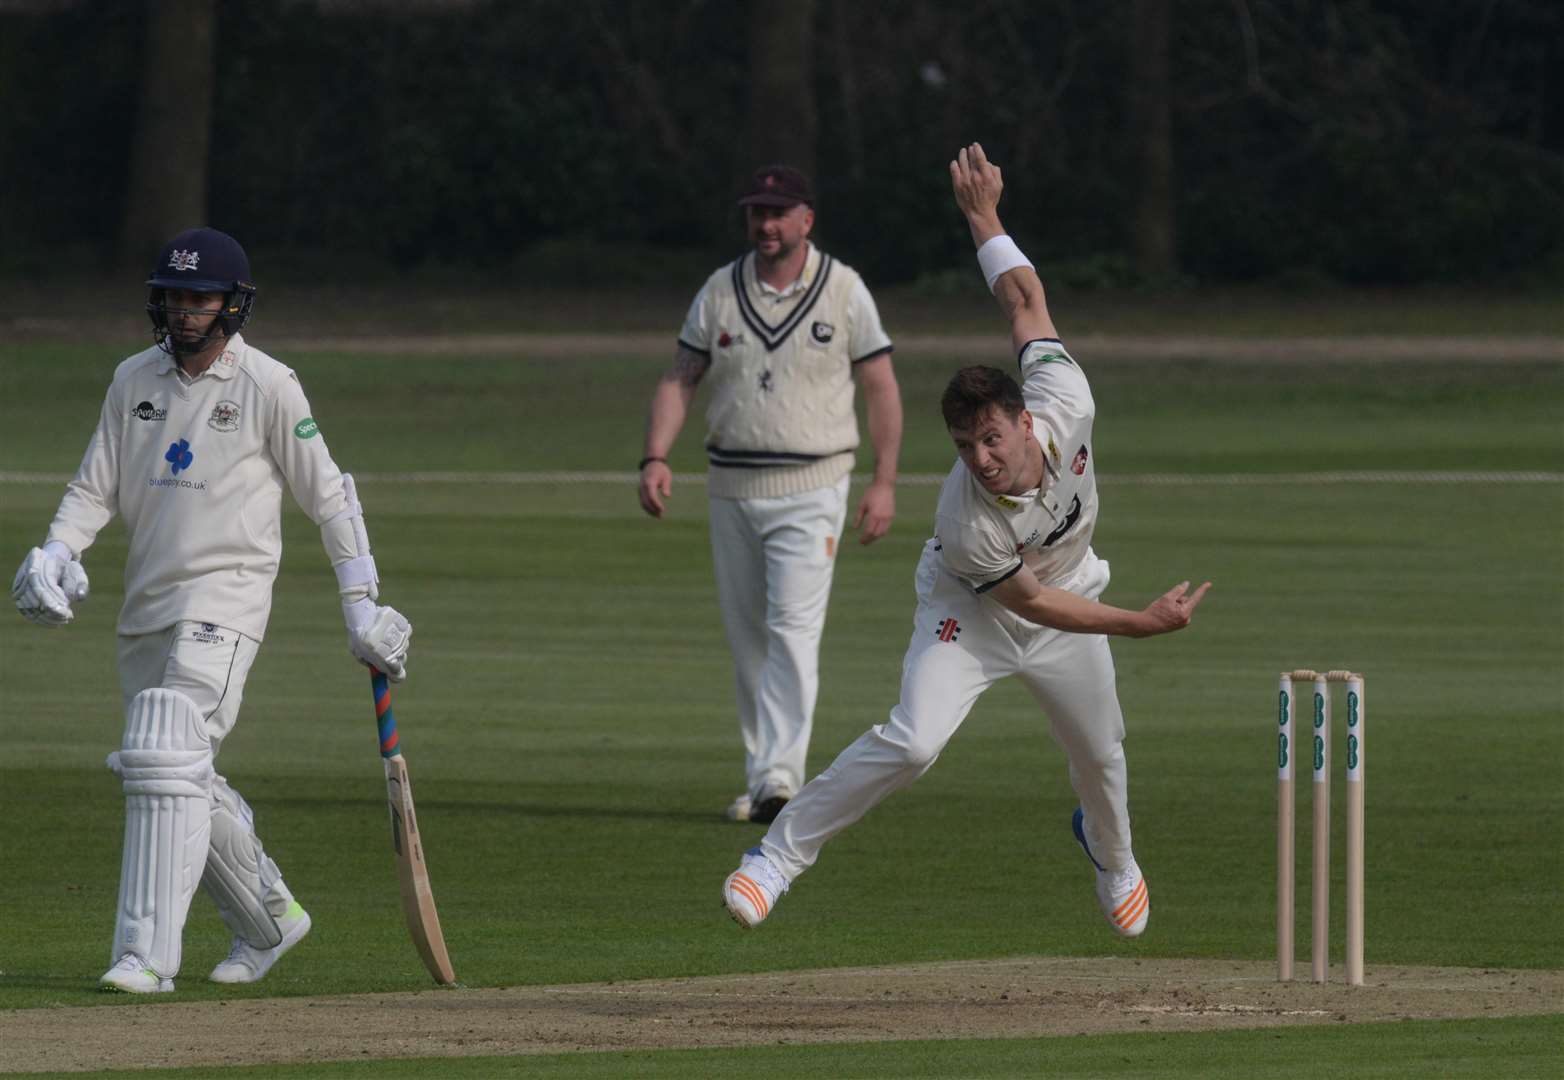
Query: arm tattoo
688	367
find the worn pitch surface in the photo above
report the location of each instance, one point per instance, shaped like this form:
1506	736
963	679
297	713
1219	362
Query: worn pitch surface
1014	998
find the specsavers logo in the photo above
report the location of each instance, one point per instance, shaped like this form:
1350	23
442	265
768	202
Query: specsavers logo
306	428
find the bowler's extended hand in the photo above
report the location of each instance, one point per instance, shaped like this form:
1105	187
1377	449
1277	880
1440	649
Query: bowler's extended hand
1173	609
976	181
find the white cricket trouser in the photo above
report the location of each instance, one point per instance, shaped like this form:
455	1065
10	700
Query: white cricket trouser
773	560
206	663
963	643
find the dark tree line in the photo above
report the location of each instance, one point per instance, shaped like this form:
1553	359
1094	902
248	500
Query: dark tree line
1365	140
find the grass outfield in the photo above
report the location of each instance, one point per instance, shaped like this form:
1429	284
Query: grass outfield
568	719
1517	1049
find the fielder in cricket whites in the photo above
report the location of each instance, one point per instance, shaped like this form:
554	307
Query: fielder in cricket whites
782	332
197	437
1008	585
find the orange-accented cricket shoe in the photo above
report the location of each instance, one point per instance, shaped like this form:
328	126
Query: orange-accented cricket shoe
753	889
1121	894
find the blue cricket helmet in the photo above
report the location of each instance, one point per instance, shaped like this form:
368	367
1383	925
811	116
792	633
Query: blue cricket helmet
205	261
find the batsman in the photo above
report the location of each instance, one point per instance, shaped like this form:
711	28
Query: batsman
197	437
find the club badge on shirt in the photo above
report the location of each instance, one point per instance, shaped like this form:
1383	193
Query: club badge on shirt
225	417
1078	466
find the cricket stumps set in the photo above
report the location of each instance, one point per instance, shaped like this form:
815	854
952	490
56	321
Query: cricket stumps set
1286	746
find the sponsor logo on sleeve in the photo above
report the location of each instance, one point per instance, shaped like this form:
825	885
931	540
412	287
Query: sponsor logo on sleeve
225	416
1041	357
947	630
147	411
306	428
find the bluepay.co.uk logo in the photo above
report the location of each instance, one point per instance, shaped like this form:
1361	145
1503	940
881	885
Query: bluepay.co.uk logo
179	456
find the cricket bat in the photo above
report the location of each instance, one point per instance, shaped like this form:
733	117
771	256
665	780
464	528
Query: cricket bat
423	922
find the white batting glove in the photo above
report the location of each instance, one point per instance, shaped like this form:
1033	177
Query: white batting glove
46	584
378	636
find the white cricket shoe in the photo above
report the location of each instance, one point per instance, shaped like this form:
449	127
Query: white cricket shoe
247	964
753	889
131	975
738	809
1122	894
1124	899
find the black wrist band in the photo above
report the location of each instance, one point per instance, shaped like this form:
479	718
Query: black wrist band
648	460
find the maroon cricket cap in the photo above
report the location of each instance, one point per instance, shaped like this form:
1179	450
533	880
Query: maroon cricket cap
777	185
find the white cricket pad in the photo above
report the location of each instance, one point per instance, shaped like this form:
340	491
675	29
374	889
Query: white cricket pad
165	763
239	875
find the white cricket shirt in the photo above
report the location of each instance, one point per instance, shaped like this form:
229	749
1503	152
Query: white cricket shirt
197	471
985	538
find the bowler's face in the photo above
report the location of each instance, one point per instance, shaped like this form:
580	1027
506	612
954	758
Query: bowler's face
777	231
995	450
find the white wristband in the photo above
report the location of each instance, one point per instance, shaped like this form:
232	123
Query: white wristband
997	256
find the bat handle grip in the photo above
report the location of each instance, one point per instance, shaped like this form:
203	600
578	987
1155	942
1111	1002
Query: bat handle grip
390	743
